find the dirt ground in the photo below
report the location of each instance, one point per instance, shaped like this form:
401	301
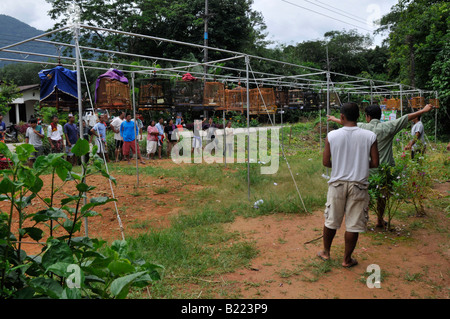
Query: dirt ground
414	263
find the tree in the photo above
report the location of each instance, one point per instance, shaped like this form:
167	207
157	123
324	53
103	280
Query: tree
8	93
233	25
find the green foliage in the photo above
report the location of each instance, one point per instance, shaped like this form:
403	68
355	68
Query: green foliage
8	93
68	267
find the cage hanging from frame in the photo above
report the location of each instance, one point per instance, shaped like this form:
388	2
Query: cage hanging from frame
214	95
282	97
417	102
393	104
155	93
434	102
262	101
188	93
296	98
236	99
112	94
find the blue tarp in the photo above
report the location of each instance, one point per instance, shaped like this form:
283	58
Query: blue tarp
58	78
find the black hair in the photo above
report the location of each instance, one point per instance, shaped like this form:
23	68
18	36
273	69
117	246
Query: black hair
54	116
33	121
374	111
126	115
351	111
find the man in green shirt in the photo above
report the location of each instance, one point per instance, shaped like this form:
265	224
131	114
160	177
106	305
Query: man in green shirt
385	132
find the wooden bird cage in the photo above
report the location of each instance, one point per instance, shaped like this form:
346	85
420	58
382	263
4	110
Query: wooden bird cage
236	99
262	101
214	94
434	102
417	102
155	93
113	94
311	99
296	98
321	99
282	97
61	101
393	104
188	93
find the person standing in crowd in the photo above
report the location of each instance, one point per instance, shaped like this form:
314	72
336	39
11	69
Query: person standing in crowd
385	132
139	124
99	131
349	151
34	136
160	127
118	140
55	135
211	130
129	132
2	129
197	138
72	135
229	139
417	145
170	136
152	140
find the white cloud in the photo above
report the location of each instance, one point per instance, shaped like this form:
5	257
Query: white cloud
32	12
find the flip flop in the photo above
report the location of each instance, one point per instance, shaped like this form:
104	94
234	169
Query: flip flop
322	257
353	263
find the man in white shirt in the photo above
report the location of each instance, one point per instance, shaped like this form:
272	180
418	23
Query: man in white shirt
349	151
34	136
55	135
417	145
115	125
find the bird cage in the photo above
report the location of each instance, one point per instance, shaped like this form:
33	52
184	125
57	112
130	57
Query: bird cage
296	98
58	88
322	98
434	102
311	99
188	93
282	97
214	94
393	104
236	99
155	93
262	101
417	102
112	94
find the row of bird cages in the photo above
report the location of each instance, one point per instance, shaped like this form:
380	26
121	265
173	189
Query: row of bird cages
158	93
419	102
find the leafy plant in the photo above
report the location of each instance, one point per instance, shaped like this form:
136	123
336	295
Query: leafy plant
68	266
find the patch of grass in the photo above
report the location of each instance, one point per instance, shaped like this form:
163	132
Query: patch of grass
161	190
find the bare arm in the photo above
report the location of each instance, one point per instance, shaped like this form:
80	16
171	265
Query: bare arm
413	141
326	159
374	156
426	109
332	118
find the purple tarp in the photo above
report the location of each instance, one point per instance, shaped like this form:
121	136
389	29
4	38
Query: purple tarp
113	74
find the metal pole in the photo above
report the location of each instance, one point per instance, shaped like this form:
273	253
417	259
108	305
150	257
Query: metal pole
80	112
401	100
224	141
135	127
435	120
247	63
205	37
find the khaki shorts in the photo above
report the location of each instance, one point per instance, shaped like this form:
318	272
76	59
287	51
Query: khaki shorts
349	199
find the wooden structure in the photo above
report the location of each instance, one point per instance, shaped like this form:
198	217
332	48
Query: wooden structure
282	97
434	102
417	102
155	93
393	104
262	101
188	93
214	95
296	98
236	99
113	94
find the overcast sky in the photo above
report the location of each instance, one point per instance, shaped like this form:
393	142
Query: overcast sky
288	21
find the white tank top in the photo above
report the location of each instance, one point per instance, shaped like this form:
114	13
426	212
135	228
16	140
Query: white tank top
350	154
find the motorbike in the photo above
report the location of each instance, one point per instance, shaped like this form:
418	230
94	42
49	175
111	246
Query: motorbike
12	135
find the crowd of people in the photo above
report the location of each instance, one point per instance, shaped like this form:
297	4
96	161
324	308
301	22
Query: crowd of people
128	132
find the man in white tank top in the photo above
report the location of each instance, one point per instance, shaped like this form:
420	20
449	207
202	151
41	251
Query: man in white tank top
349	151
